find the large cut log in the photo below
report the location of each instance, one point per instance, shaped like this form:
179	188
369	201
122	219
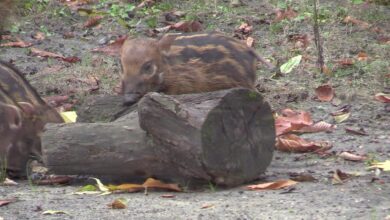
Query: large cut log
226	137
102	108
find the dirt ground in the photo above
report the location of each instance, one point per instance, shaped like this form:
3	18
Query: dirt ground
366	195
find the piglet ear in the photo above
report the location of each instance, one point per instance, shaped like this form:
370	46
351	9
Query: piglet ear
14	116
166	42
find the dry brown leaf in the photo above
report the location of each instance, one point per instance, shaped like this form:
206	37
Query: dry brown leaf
112	49
359	131
346	62
168	196
291	121
53	180
340	177
352	20
285	14
18	43
273	185
118	204
57	100
325	93
245	28
4	202
362	56
206	206
382	97
301	40
302	177
127	187
250	41
39	35
42	53
187	26
293	143
146	3
352	157
92	21
317	127
157	184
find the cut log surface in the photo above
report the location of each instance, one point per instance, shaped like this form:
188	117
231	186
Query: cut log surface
226	137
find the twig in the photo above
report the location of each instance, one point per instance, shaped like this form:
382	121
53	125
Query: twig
317	39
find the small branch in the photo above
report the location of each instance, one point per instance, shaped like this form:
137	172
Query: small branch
317	39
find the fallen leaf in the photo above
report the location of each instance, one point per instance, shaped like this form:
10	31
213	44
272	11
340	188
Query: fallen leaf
250	42
317	127
168	196
4	202
346	62
53	180
18	43
75	4
187	26
9	182
342	117
157	184
381	165
146	3
291	64
92	21
71	59
352	157
293	143
291	121
285	14
120	203
382	97
384	39
69	116
352	20
272	185
325	93
362	56
127	187
54	212
100	185
206	206
88	188
340	177
302	177
42	53
245	28
359	131
301	40
39	35
112	49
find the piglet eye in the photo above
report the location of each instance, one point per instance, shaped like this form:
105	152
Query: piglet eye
147	68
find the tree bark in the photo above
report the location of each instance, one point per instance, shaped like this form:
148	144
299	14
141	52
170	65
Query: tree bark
225	137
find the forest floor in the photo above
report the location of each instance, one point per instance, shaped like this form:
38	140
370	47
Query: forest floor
356	54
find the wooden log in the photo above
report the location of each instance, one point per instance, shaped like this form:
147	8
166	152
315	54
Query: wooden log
102	108
226	137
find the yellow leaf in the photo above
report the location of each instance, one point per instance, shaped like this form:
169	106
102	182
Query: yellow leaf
100	185
53	212
342	117
69	117
381	165
273	185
